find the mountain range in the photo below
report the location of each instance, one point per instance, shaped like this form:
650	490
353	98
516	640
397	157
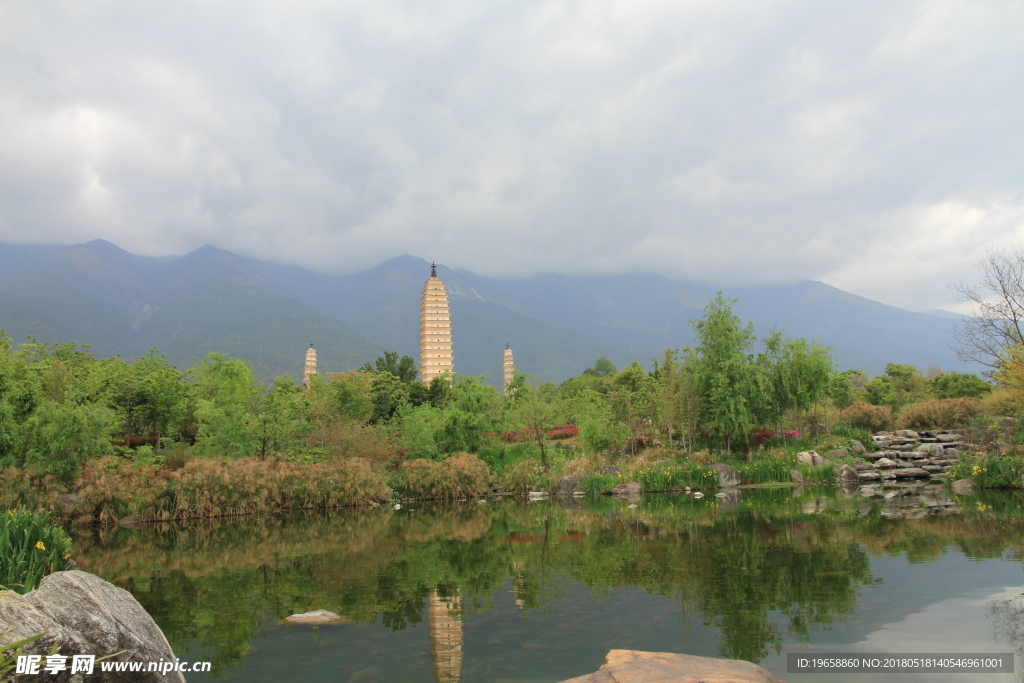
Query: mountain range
557	325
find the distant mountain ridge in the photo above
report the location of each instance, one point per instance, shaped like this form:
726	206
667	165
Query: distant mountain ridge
213	300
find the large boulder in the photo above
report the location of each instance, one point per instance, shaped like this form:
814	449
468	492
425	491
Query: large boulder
810	458
845	474
632	666
857	448
84	615
727	475
567	486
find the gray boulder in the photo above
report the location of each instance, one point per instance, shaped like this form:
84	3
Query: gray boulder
885	464
727	475
856	447
632	666
567	486
84	615
810	458
845	473
796	476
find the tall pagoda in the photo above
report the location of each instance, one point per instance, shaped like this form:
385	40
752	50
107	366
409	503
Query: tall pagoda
435	329
509	367
310	368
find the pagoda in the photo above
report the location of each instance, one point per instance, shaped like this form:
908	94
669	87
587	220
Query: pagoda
310	364
435	329
509	367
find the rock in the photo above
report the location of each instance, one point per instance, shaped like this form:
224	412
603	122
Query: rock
84	615
933	468
885	464
610	471
727	475
626	488
907	433
947	438
845	473
857	448
910	473
796	476
862	466
932	449
810	458
632	666
320	616
698	494
537	495
963	487
567	486
869	476
837	453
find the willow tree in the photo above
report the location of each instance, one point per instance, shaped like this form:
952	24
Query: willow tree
726	382
796	375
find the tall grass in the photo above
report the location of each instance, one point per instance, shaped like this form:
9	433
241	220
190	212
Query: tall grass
990	473
675	476
462	475
766	471
821	475
30	548
598	484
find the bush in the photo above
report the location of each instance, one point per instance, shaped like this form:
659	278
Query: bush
867	416
945	413
519	477
30	548
1003	402
459	476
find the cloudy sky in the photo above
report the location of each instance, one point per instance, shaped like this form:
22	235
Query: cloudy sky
874	145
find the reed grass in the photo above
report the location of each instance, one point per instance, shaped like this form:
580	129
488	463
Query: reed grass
30	548
676	476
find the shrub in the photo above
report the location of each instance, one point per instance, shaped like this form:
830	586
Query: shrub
519	477
462	475
30	548
564	432
597	484
1002	402
944	413
867	416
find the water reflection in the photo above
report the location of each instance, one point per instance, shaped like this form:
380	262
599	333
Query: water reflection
757	571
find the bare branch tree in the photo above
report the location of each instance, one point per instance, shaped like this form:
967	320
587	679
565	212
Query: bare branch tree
997	321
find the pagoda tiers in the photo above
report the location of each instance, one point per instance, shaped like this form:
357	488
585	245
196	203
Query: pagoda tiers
509	367
310	364
444	621
435	329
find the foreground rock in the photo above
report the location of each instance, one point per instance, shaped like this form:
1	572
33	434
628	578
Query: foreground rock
633	666
85	615
727	475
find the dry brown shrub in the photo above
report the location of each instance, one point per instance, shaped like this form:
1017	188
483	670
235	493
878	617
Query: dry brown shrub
945	413
111	489
462	475
517	479
866	416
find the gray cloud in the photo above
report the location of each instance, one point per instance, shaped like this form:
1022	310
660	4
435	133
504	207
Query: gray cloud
872	145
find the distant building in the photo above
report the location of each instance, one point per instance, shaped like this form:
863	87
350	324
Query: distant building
310	364
509	367
435	329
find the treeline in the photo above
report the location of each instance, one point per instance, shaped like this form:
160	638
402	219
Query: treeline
730	392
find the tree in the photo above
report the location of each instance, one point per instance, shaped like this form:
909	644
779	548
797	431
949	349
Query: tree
533	408
901	385
959	385
602	368
226	393
725	384
796	376
997	321
404	368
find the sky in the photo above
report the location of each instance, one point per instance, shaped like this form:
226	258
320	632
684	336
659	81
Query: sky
873	145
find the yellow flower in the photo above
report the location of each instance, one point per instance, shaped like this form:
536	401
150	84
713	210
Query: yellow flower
40	546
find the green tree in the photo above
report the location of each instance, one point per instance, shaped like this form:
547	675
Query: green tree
60	437
796	375
602	368
959	385
226	395
278	421
726	379
403	368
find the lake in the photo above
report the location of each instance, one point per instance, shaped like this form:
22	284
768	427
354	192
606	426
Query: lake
512	590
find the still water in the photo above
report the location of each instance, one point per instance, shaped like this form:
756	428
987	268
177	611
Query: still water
510	590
